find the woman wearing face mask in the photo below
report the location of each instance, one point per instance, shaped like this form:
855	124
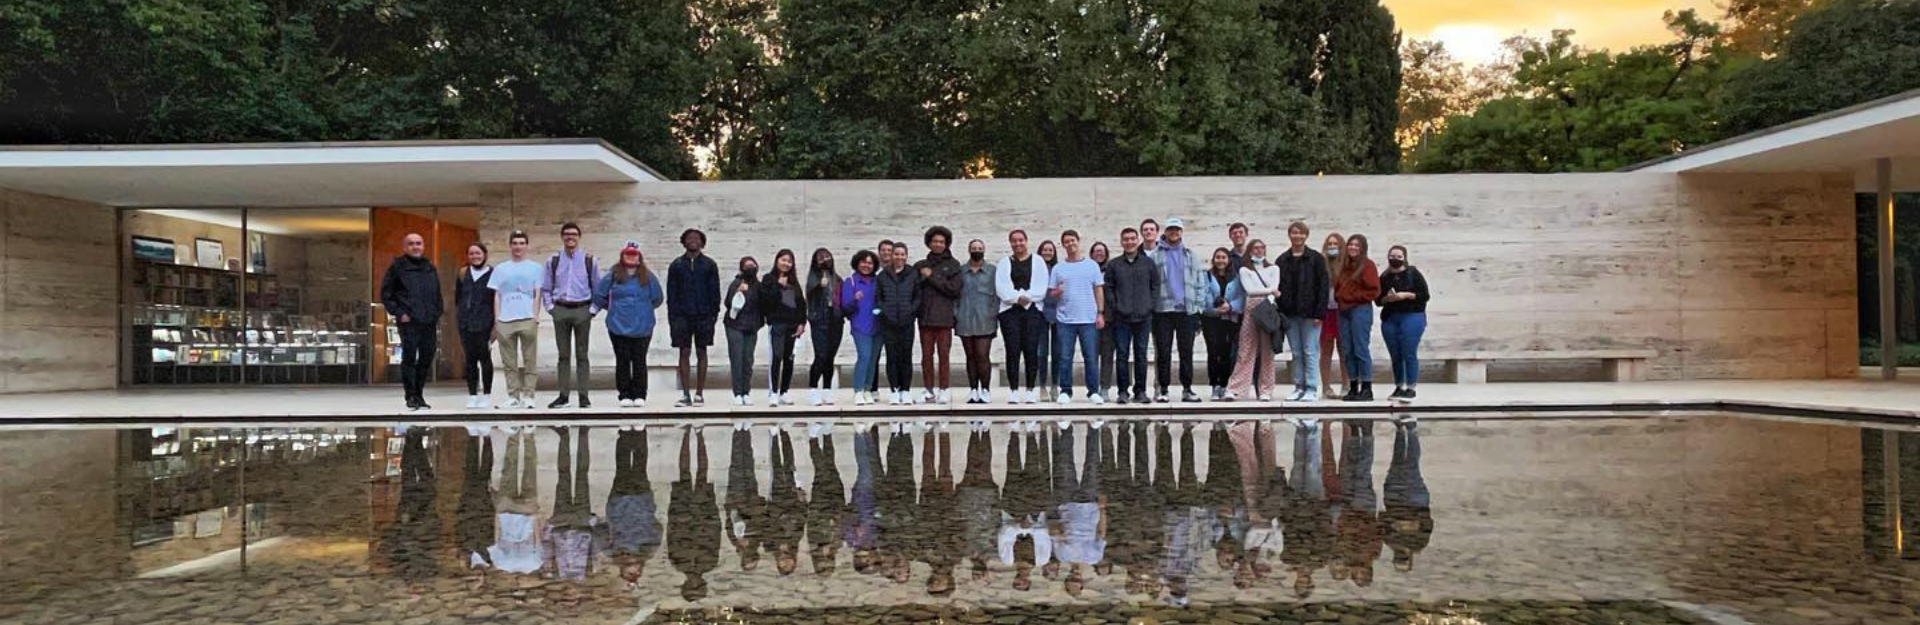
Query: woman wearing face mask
473	296
1356	284
859	302
829	324
1100	254
743	327
977	319
629	293
1220	321
1330	324
1403	319
1253	373
783	302
1049	385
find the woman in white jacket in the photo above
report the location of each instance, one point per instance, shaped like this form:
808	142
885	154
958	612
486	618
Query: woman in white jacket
1021	281
1253	373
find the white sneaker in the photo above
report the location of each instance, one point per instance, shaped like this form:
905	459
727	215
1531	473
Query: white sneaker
486	401
773	399
786	398
826	396
926	397
1096	399
859	398
512	402
739	400
1065	399
813	397
1033	396
626	403
943	397
640	402
1309	397
1266	397
1297	394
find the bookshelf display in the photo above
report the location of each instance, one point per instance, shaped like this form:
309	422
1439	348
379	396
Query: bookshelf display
187	327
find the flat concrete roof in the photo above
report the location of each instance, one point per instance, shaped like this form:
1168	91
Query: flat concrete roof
1846	140
349	173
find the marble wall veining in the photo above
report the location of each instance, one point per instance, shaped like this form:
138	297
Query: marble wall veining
1726	276
58	309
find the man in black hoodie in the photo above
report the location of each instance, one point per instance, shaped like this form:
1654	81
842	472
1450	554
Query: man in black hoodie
1304	290
411	294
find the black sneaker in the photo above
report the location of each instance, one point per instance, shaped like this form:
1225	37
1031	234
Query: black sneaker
1366	392
1142	398
560	402
684	401
1408	394
584	402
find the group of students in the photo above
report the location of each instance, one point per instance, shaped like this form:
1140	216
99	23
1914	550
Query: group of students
1044	302
1128	506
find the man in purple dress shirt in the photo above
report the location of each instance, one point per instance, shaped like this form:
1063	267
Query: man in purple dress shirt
567	290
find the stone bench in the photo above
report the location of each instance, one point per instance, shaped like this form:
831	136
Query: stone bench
1470	367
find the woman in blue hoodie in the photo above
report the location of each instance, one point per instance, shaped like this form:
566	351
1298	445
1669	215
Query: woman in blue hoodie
629	293
859	300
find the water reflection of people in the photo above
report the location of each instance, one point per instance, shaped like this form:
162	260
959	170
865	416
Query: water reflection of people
1186	525
746	509
1308	530
413	540
1223	495
826	501
1082	537
941	545
1024	541
1265	491
786	510
693	518
631	508
518	544
1358	522
474	528
898	541
1135	509
1408	519
573	524
979	501
861	529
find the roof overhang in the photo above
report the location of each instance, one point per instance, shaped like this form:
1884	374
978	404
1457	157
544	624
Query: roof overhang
1848	140
370	173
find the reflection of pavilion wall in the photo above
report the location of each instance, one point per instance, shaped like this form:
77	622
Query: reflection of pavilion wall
1727	276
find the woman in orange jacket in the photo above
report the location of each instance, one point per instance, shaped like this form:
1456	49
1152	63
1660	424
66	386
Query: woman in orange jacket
1356	283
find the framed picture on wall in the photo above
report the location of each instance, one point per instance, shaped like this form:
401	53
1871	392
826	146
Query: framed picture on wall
153	248
209	253
256	252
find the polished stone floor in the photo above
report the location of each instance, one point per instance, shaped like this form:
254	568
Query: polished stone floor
1706	519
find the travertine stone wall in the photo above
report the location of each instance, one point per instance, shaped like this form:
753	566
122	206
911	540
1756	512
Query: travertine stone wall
58	319
1728	276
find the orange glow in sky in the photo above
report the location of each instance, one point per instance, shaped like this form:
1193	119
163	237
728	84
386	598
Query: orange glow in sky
1473	29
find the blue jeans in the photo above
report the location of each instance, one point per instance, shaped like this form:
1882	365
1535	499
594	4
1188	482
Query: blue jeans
1356	343
866	351
1304	334
1089	338
1402	333
1130	347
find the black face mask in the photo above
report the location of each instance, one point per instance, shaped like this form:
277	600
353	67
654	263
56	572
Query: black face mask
750	272
1396	263
977	256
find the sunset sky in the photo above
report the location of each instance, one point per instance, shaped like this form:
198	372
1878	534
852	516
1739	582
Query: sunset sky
1473	29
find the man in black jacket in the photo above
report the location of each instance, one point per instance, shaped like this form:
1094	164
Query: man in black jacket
693	307
1133	288
1304	290
411	294
898	295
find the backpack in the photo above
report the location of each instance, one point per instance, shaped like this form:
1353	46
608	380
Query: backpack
553	272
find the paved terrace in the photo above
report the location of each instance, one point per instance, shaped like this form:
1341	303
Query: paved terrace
1881	401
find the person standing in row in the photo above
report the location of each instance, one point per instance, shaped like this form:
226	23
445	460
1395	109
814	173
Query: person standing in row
859	297
1220	320
1102	255
1050	253
1133	287
783	301
1356	284
1330	320
899	301
1237	235
1403	319
824	313
1182	297
1020	282
743	328
568	292
411	294
1253	372
939	294
473	309
516	304
1302	301
1149	237
1080	293
975	319
884	254
629	293
693	307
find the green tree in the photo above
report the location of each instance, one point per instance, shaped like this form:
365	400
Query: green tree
1840	54
1360	79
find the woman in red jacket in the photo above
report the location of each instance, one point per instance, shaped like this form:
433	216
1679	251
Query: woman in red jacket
1356	284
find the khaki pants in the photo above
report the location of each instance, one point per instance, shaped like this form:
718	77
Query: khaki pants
519	342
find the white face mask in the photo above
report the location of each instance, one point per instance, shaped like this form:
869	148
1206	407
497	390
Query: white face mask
1259	260
1333	251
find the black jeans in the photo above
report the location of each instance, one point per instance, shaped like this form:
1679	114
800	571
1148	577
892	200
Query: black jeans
418	341
826	345
898	340
479	357
1169	330
570	489
1221	336
1025	330
630	365
780	341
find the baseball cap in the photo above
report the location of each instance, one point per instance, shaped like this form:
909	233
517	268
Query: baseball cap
1174	222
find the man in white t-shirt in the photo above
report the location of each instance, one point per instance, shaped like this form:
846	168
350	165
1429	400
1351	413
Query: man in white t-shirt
1078	297
516	303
